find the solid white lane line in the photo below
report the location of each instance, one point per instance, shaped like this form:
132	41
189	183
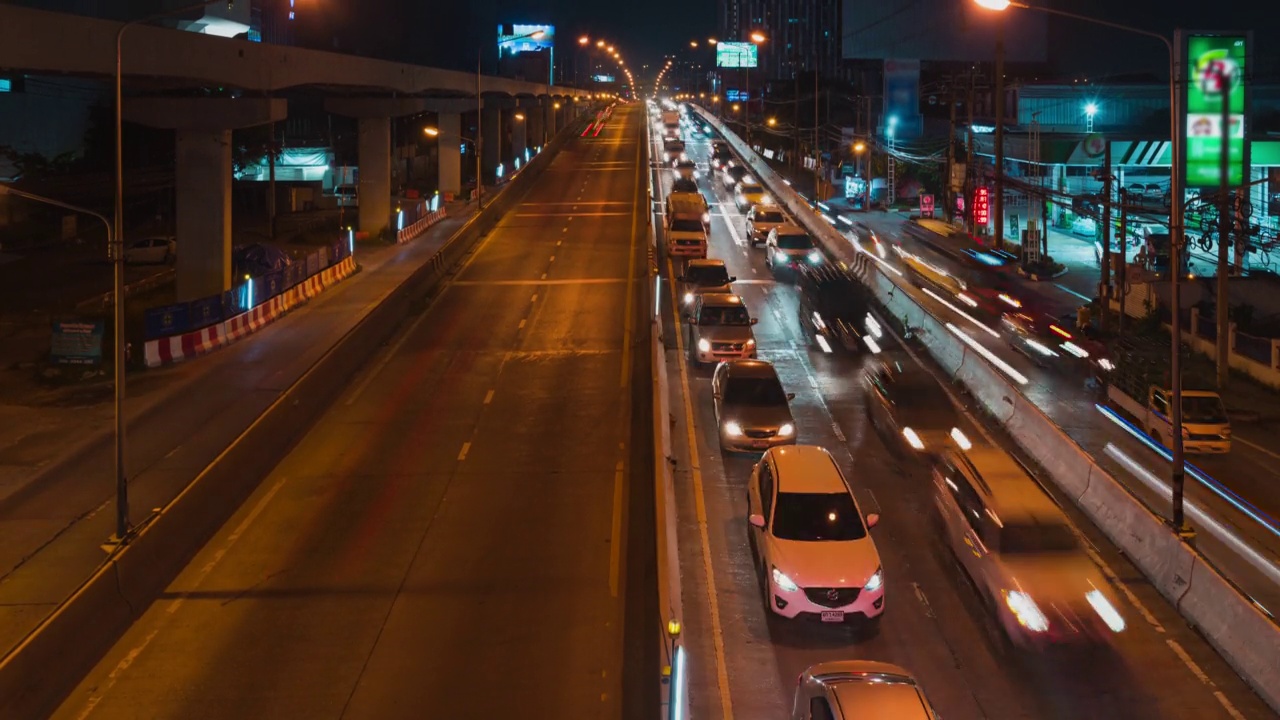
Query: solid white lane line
1255	446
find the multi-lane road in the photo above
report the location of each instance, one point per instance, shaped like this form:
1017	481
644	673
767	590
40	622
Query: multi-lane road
744	665
468	532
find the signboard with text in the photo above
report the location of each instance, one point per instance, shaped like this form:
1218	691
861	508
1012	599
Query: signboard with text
926	206
517	38
76	342
1216	73
981	206
737	55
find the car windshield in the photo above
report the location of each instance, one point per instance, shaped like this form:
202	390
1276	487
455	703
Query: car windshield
737	172
771	216
817	517
1206	410
794	242
686	226
1037	539
684	185
724	316
755	391
708	275
751	189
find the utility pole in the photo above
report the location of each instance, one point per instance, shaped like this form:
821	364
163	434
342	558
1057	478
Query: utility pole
1124	261
948	194
1225	217
997	202
1104	291
817	150
271	186
968	162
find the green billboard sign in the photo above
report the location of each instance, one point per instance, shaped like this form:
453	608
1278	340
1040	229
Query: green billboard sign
1216	71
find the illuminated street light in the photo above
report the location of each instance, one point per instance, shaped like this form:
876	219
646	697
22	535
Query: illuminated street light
693	43
711	41
757	38
430	131
1091	109
993	4
859	146
772	121
584	40
599	43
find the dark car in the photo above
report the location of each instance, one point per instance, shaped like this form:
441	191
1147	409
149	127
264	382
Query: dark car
910	408
704	275
835	310
721	155
732	175
752	410
682	184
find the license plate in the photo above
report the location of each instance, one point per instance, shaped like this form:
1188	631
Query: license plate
759	443
832	616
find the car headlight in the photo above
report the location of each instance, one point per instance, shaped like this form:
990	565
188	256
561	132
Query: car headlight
732	428
751	342
875	581
1026	611
815	257
780	256
704	345
1105	610
688	298
787	429
912	438
781	580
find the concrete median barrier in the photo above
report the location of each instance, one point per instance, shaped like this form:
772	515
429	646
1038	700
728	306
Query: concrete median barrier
1245	636
48	663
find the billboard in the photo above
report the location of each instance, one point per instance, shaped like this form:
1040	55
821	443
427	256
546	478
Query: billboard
902	96
939	30
737	55
516	39
602	78
1217	66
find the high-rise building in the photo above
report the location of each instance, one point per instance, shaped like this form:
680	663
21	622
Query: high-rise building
801	35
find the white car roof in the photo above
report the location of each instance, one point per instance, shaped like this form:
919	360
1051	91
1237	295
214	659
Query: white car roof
806	469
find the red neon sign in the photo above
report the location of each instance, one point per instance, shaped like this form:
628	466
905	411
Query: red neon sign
981	207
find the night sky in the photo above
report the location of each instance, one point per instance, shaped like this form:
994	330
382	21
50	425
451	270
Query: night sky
446	34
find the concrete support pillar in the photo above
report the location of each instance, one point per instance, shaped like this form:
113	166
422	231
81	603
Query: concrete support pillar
374	190
490	141
449	157
203	185
519	136
549	114
202	144
535	120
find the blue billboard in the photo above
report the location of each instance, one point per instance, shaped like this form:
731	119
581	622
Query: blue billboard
516	39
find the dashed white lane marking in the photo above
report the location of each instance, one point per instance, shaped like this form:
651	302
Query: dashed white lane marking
1066	289
521	325
553	258
928	609
534	298
544	276
466	448
615	535
488	397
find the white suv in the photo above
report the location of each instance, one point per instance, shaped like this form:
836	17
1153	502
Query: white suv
811	544
848	689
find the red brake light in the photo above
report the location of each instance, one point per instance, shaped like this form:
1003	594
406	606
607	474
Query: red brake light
1060	331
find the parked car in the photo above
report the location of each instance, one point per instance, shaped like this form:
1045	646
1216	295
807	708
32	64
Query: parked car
151	251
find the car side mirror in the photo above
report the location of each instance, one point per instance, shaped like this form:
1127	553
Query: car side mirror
733	278
873	519
755	320
791	396
756	520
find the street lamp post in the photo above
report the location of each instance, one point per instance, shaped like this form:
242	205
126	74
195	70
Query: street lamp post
116	251
1176	232
756	38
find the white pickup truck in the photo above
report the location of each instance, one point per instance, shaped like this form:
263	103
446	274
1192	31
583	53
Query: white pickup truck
687	220
1205	425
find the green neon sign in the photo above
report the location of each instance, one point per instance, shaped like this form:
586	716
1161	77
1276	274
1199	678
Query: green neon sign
1217	71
